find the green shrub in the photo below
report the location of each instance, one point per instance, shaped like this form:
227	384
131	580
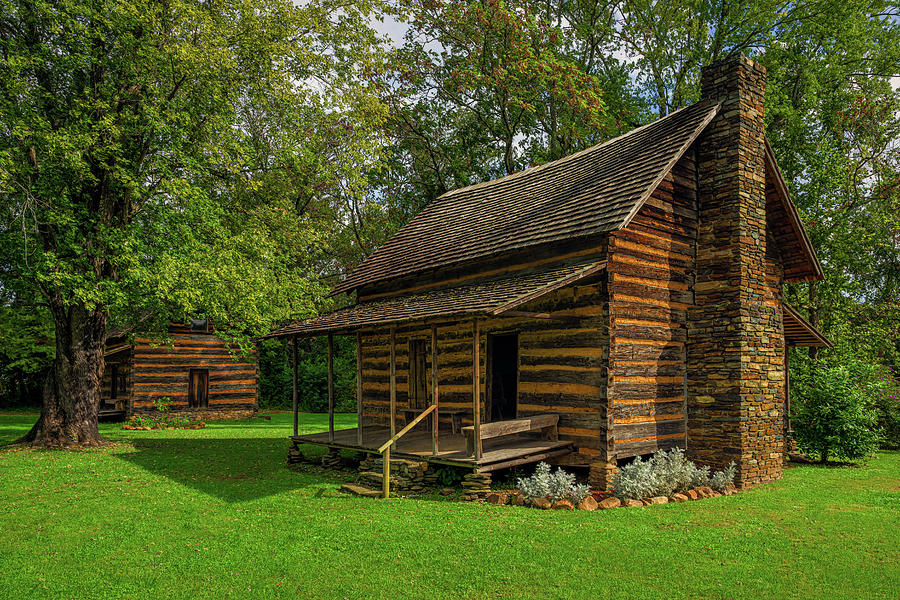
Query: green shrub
275	374
883	391
834	413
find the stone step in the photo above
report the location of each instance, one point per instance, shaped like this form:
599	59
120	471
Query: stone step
359	490
375	478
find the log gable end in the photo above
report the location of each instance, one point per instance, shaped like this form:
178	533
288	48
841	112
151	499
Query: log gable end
651	275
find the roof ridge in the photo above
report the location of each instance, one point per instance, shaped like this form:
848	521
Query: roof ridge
566	158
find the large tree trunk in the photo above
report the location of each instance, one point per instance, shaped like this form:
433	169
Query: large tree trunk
72	391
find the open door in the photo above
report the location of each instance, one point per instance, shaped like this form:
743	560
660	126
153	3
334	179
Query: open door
198	388
503	375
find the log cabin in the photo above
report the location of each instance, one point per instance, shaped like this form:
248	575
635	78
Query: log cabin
623	299
194	368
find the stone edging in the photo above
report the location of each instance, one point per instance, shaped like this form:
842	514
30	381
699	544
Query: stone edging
590	503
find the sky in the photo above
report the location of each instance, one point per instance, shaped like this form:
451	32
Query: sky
392	28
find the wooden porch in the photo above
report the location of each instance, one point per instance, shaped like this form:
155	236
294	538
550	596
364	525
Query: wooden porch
497	453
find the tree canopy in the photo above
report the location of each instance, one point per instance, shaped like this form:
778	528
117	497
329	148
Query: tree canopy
164	159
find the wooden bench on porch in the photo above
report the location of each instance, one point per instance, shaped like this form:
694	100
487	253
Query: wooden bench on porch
547	424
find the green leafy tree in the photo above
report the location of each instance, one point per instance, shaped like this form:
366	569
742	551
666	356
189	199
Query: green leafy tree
27	351
833	121
834	416
479	90
159	159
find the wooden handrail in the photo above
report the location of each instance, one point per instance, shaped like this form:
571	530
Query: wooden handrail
409	426
385	451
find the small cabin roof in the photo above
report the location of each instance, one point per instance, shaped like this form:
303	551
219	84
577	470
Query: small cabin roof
590	192
483	297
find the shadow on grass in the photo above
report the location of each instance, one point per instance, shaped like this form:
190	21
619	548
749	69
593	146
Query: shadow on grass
12	432
233	470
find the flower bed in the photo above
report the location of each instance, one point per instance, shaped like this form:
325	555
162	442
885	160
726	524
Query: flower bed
665	477
163	419
146	423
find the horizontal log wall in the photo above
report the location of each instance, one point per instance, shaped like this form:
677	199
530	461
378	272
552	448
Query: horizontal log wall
562	364
651	274
163	370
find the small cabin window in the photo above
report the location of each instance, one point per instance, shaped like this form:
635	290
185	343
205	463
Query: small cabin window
200	324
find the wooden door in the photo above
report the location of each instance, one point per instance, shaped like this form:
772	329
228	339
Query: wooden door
198	388
418	386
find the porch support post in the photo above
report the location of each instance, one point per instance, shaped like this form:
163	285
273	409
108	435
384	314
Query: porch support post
386	473
359	391
330	387
393	380
787	393
294	391
476	386
434	391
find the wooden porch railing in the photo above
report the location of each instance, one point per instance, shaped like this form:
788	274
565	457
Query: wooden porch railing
385	450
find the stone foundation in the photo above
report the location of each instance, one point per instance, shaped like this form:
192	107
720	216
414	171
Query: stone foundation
476	485
601	474
406	475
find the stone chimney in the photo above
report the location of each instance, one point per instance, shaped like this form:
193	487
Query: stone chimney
735	349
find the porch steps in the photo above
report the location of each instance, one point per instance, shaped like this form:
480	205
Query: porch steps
375	479
358	490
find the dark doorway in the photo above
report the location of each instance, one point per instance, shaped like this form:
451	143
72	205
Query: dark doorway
198	388
114	382
418	387
503	362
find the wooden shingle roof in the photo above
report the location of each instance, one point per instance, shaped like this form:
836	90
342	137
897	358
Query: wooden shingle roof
800	332
593	191
483	297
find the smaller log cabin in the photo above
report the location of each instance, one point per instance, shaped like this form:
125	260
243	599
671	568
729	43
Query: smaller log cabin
196	369
618	301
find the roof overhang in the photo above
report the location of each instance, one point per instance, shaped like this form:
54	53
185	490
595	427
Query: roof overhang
486	298
800	332
793	215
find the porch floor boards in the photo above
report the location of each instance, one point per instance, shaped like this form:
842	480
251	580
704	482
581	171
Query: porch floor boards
498	453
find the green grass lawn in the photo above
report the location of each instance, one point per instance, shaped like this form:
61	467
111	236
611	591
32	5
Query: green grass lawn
214	513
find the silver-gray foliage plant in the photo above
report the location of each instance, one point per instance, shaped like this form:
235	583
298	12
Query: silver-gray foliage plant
666	473
720	480
557	485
